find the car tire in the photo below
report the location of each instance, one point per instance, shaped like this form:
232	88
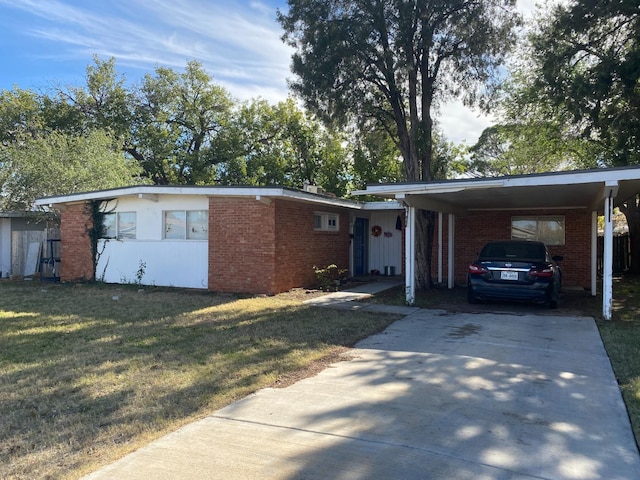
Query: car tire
471	298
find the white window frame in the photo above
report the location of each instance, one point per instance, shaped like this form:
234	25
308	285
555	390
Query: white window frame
326	222
185	234
117	229
538	234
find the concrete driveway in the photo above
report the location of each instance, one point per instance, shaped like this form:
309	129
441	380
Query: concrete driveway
436	396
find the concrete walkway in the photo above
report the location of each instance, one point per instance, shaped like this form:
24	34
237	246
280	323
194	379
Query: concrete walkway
435	396
350	299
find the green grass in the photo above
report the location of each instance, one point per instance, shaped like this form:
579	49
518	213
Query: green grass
92	372
621	338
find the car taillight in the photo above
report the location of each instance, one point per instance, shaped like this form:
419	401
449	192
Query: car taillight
541	273
477	269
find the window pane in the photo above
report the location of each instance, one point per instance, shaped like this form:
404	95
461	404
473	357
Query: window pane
127	225
524	229
332	222
174	225
317	222
109	226
551	231
197	225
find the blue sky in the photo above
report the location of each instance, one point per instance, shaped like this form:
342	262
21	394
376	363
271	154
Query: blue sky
46	43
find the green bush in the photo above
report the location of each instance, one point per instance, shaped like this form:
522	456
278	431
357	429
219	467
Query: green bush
330	277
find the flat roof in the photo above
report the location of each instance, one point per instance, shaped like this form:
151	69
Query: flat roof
152	191
554	190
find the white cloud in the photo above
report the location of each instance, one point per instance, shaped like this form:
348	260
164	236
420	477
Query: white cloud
460	124
239	44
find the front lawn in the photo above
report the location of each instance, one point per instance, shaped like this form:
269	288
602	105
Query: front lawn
621	338
89	373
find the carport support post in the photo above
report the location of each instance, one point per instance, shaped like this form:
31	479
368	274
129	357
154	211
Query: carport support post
607	270
450	256
439	248
410	256
594	253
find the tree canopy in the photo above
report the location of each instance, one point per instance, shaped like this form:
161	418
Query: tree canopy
391	61
60	163
586	57
168	128
387	64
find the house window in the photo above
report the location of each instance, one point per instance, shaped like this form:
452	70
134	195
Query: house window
547	229
120	225
326	222
186	225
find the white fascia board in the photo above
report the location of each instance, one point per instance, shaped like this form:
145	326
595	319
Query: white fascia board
379	206
320	199
152	191
556	178
603	175
431	188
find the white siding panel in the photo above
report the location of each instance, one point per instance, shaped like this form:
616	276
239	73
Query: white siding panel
385	250
168	263
5	247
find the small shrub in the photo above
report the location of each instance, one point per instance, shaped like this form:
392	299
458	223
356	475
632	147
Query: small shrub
329	278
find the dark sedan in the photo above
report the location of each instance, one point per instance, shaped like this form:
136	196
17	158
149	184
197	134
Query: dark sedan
515	270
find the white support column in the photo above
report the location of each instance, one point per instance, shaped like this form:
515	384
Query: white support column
410	257
451	256
607	269
440	248
594	253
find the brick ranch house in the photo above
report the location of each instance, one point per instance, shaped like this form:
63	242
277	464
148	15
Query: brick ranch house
267	240
225	239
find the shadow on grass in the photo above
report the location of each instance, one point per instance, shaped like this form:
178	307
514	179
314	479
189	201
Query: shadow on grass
87	377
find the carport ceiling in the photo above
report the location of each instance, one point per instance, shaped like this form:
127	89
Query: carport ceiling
573	189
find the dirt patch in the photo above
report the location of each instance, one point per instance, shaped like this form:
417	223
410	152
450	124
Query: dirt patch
339	354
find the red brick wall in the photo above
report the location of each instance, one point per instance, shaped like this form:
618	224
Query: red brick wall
270	248
241	246
75	245
299	247
473	231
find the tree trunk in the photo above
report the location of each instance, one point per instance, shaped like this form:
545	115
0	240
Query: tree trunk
631	210
425	226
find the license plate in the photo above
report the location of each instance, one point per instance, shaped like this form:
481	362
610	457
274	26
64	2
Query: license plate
507	275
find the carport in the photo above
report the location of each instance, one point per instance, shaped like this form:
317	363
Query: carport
596	191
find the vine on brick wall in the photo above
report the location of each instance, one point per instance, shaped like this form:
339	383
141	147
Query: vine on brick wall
96	230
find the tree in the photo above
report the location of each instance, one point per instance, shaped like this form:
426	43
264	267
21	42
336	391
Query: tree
376	158
392	61
530	146
169	123
58	164
177	117
586	61
532	135
281	145
20	114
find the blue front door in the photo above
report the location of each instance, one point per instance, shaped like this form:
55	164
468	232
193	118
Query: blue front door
361	246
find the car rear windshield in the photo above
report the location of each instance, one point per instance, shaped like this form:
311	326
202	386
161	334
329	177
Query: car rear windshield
513	251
